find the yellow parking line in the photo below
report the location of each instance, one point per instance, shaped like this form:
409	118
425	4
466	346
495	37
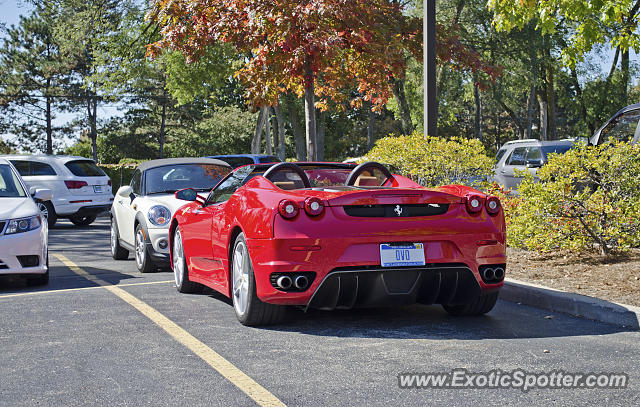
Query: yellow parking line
66	290
249	386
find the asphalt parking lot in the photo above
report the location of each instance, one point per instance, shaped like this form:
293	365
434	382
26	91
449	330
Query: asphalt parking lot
102	334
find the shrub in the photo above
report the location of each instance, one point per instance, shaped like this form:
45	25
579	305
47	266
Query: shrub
434	161
587	199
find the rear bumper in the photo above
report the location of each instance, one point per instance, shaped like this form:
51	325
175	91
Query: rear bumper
69	207
347	273
91	210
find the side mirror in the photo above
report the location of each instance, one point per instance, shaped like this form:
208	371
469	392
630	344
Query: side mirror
188	194
124	191
32	191
42	194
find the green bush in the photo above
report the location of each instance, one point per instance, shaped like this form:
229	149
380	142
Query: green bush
587	199
434	161
120	174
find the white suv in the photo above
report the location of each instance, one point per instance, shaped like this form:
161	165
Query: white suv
81	190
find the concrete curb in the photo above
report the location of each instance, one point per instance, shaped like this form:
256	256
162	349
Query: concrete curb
577	305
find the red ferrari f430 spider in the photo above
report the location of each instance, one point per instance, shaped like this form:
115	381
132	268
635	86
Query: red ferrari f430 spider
327	236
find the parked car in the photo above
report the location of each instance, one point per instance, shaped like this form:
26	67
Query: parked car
23	233
238	160
141	211
334	235
525	155
81	190
623	126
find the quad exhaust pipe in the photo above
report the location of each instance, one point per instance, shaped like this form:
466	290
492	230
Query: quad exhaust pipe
490	274
284	282
301	282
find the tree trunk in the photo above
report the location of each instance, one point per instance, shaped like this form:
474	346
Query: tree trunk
583	108
624	67
513	117
298	136
320	135
532	95
550	96
267	131
310	113
49	128
163	119
477	123
403	106
281	152
544	118
92	111
257	134
371	135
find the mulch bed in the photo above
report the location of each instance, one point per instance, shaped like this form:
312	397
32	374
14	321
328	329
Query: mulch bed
614	279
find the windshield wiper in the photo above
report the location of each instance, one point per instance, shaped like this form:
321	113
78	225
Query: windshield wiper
166	191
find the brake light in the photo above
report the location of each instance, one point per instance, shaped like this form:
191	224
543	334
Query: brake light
473	203
288	209
76	184
493	205
109	182
313	206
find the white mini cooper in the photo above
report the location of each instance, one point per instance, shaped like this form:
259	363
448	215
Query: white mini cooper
142	210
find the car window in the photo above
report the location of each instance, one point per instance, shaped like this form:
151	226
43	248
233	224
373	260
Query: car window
500	154
84	168
558	149
622	128
534	155
518	156
41	169
22	167
171	178
136	182
227	187
269	159
10	186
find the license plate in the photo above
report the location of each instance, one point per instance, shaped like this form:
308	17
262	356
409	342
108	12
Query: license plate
402	255
97	189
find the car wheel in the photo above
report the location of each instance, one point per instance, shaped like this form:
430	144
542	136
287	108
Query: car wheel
82	220
481	305
117	252
143	262
41	279
180	269
248	307
48	212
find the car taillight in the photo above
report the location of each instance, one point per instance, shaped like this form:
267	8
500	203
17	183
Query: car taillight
109	182
493	205
76	184
474	203
288	209
313	206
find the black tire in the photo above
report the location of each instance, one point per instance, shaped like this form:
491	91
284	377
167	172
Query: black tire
143	260
117	252
480	306
82	220
180	269
49	212
41	279
255	312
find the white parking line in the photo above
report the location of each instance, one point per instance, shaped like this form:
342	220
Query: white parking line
243	382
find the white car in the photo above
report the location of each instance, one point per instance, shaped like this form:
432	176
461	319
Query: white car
23	234
142	210
81	190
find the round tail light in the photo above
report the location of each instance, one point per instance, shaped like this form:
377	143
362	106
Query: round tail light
313	206
474	203
288	209
493	205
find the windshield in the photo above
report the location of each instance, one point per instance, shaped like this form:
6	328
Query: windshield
171	178
85	168
10	186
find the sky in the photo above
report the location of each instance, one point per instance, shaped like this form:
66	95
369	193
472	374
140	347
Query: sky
10	11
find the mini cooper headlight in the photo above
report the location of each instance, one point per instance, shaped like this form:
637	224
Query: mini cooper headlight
159	215
22	225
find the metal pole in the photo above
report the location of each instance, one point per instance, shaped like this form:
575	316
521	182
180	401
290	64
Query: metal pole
429	41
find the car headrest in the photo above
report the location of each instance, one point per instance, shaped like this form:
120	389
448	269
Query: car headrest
286	185
365	181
